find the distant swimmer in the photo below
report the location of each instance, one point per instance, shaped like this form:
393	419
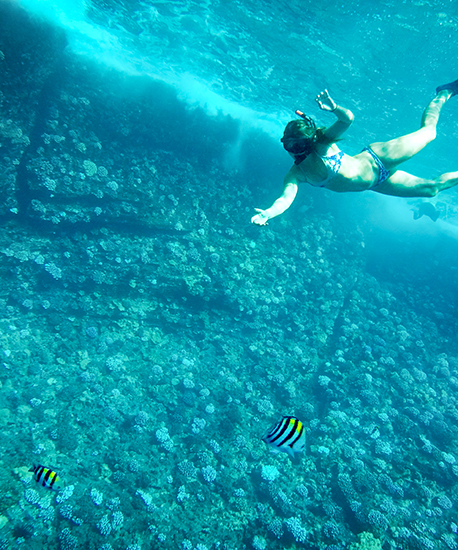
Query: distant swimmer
46	477
426	209
319	162
287	436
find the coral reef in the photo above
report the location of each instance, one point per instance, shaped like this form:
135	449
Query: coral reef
149	336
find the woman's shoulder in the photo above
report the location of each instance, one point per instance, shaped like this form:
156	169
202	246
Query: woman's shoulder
327	149
294	176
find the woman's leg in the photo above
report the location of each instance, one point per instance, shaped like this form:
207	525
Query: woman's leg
402	184
398	150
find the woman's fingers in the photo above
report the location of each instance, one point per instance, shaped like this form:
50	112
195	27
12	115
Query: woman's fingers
261	218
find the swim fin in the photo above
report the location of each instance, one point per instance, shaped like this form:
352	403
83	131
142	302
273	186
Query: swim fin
452	86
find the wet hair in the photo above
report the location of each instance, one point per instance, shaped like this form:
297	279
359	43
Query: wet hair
301	136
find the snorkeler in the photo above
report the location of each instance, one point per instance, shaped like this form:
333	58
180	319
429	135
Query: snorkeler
426	209
319	161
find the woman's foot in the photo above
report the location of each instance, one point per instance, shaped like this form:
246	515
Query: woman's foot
452	87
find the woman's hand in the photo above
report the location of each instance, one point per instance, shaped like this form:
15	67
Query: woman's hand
261	218
325	102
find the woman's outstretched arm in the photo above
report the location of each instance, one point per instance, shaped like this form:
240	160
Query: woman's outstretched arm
344	116
279	206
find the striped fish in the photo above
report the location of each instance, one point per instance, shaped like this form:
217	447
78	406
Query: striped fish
46	477
287	436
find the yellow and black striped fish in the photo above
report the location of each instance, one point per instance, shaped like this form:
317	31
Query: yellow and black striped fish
287	435
46	477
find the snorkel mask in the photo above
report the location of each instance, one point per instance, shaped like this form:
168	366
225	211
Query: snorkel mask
297	145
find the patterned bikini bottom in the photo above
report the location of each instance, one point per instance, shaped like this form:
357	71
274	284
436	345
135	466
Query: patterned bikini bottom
383	173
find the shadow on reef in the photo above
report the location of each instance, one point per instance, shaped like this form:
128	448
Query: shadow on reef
86	144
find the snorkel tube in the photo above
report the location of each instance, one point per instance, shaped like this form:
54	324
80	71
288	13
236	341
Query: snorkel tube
310	122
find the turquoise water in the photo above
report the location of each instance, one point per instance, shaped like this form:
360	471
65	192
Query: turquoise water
150	334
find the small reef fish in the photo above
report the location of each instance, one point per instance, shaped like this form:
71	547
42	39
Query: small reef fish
375	433
287	436
46	477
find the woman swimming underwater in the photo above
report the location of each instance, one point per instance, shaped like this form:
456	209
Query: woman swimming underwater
319	161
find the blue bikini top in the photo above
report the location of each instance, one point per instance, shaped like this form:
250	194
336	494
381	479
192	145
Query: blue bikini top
333	163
